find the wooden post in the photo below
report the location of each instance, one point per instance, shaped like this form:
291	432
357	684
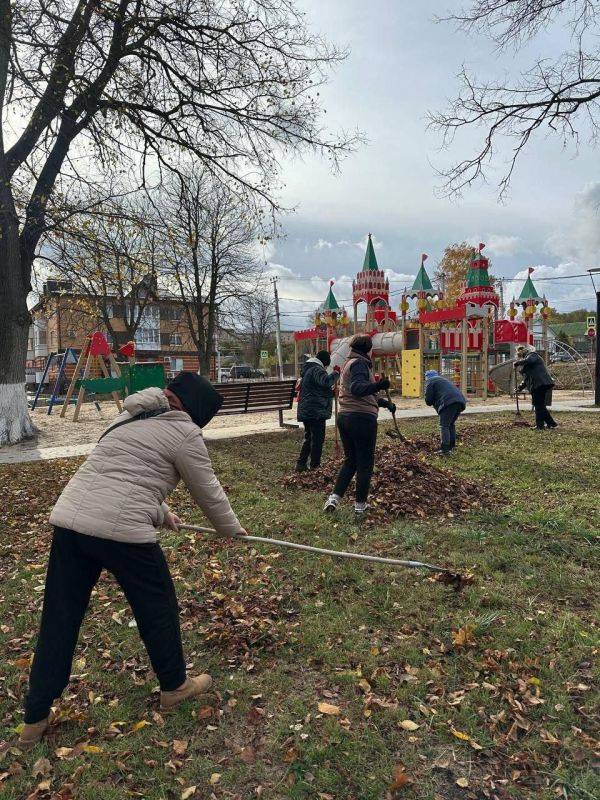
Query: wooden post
485	342
71	388
355	317
105	372
81	392
464	346
296	357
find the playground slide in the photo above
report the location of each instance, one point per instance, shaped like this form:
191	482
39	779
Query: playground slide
384	344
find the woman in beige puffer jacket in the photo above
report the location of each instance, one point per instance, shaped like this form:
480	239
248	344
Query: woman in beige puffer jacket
107	518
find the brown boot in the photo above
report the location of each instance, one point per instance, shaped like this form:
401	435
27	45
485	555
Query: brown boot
192	687
32	734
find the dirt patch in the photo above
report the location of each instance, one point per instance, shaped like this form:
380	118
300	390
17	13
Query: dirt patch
405	484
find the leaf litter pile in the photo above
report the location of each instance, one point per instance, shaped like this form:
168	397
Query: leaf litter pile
405	484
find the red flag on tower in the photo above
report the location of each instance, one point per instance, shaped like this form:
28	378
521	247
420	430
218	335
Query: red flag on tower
530	270
481	246
423	258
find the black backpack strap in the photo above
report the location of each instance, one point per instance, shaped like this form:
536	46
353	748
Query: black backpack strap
143	415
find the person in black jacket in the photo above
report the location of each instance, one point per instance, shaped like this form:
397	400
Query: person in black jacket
537	380
314	407
449	402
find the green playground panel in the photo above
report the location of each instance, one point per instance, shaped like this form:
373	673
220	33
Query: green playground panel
101	385
143	375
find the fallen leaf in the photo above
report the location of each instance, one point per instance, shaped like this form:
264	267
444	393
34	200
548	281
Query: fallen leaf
91	748
327	708
409	725
215	778
179	746
248	755
41	767
141	724
462	782
460	735
464	636
191	790
63	752
400	778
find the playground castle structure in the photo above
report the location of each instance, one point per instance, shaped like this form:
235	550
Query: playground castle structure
461	338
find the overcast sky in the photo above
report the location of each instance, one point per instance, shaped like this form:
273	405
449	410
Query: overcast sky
403	64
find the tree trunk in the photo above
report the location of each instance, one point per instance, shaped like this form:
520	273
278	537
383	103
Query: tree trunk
15	319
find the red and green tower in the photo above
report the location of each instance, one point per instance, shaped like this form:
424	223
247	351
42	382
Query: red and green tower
373	288
478	289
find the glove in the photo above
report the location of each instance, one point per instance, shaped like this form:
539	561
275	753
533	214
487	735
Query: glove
337	370
392	407
383	384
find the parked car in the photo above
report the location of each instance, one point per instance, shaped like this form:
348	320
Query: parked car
559	357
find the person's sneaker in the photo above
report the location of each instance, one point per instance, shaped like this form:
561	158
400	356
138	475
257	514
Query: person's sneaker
441	452
360	510
32	734
301	467
332	503
192	687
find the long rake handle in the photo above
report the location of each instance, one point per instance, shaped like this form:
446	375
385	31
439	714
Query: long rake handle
396	562
401	436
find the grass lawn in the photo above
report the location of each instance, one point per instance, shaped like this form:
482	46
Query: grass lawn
335	680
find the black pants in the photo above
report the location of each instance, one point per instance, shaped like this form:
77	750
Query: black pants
542	415
448	417
358	433
75	564
314	438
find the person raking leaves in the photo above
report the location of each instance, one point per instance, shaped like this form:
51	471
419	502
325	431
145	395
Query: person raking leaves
449	402
314	407
538	381
107	518
357	423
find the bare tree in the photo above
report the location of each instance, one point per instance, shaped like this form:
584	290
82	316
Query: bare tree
88	88
109	258
209	257
560	95
255	319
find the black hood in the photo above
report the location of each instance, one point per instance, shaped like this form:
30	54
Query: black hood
312	363
198	396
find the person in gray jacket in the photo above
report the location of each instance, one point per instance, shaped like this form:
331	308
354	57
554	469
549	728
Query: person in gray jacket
449	402
107	518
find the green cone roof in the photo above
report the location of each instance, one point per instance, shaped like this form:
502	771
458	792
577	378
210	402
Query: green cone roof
529	292
370	262
422	282
330	304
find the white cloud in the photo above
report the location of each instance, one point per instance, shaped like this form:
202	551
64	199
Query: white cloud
321	243
498	244
579	240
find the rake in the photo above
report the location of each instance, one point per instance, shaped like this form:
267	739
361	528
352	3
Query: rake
443	575
396	434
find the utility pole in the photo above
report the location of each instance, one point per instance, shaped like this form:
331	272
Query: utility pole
277	328
592	272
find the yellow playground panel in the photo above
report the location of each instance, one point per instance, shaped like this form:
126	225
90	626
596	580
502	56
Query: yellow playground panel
412	373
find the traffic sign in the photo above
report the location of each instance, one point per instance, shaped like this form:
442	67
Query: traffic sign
591	332
264	354
591	321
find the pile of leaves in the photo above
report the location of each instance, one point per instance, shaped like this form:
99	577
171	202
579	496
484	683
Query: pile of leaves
404	484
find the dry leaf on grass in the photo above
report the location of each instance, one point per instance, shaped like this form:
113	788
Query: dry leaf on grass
464	636
189	792
180	746
409	725
462	782
215	778
41	767
327	708
400	779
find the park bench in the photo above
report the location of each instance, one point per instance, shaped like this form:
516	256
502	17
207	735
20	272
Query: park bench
257	396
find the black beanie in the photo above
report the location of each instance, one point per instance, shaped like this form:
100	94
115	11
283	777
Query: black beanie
362	343
324	357
198	396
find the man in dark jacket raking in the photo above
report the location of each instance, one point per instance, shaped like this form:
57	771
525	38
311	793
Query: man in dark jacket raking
537	380
449	402
315	407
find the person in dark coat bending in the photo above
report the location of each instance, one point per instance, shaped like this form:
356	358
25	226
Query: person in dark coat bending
537	380
449	402
314	407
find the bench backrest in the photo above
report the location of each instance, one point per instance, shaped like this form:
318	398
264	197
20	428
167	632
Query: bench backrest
252	397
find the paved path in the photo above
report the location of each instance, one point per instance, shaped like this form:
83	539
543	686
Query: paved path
240	431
